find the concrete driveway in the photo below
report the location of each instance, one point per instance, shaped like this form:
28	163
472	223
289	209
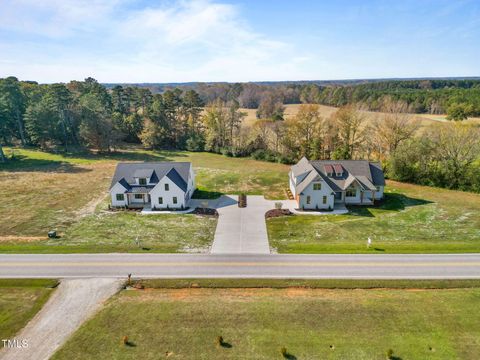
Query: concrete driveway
241	230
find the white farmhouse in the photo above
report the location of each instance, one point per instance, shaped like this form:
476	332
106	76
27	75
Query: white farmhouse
155	185
320	184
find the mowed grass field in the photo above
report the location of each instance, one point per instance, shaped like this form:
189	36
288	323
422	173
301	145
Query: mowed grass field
43	191
256	323
413	219
20	300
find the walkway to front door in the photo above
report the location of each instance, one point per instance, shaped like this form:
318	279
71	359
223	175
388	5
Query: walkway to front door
241	230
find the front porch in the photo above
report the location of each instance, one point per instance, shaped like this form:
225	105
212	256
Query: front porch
338	209
138	200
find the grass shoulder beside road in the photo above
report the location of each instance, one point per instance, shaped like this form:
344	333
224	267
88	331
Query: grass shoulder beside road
413	219
20	300
309	283
310	322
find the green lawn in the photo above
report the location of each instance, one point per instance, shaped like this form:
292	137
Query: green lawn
256	323
42	191
20	300
126	232
413	219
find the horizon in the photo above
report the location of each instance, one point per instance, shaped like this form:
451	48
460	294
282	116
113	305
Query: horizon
210	41
261	82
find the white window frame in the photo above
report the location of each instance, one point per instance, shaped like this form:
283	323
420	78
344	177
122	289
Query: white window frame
309	200
319	185
140	180
120	197
175	200
160	200
167	187
138	196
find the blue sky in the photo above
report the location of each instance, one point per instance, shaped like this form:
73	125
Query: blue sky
226	40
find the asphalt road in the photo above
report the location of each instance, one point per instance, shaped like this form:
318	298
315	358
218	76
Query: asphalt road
241	266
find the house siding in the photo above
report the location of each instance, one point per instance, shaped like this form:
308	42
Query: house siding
118	189
174	191
316	197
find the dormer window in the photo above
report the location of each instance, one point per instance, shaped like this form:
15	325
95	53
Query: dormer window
142	181
338	170
329	170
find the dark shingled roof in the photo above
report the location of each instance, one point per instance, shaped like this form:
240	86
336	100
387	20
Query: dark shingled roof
178	172
177	179
367	174
358	168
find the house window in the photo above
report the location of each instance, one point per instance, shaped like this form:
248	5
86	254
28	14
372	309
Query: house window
142	181
308	200
174	199
351	193
160	200
120	197
338	174
317	186
324	199
167	187
139	196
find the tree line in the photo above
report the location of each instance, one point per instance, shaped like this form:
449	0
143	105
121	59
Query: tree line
85	114
457	98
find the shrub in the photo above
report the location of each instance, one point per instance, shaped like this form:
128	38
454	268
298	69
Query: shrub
389	354
125	340
219	340
284	352
278	205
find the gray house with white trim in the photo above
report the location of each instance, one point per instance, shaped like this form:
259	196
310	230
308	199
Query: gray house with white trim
320	184
155	185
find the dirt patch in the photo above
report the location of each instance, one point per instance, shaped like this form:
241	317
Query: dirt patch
22	239
90	207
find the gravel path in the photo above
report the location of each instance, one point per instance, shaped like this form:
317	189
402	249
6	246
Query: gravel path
73	302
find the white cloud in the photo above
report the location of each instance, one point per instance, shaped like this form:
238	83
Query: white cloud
187	40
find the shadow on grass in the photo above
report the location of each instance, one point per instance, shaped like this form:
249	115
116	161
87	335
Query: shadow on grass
226	345
24	163
391	202
205	194
289	356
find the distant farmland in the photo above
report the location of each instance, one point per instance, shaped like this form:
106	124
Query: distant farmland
326	111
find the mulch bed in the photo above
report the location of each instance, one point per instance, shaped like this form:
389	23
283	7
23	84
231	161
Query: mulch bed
205	211
277	213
